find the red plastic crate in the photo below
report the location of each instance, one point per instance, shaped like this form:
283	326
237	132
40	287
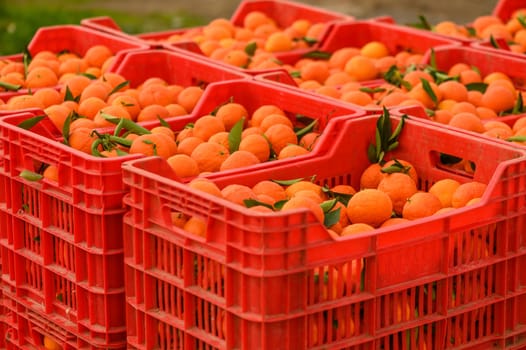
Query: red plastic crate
505	8
356	34
282	11
76	283
501	49
174	67
486	62
419	112
62	243
254	280
3	320
253	94
58	266
446	57
73	38
500	46
28	328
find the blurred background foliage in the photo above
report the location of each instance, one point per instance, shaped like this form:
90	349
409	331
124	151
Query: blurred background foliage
19	20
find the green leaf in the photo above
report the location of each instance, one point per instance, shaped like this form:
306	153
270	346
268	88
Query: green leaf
331	218
396	167
126	124
30	175
494	42
471	31
396	133
279	204
328	205
300	133
429	91
386	128
517	138
163	122
250	48
481	87
288	182
362	276
521	20
393	146
273	155
424	22
408	339
234	136
120	141
295	74
10	87
69	96
519	105
393	76
111	118
430	112
378	140
407	85
310	41
120	152
95	147
118	87
441	77
66	129
89	76
371	153
433	59
372	90
340	197
25	207
411	68
318	55
249	203
421	24
30	122
26	59
385	139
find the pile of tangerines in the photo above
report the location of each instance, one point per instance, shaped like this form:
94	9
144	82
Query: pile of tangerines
461	97
251	45
512	31
66	85
389	194
89	98
395	199
229	137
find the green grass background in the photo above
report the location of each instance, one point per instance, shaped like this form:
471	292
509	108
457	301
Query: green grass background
19	21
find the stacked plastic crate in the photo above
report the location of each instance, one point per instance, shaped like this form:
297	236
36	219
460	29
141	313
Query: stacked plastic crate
62	250
277	280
